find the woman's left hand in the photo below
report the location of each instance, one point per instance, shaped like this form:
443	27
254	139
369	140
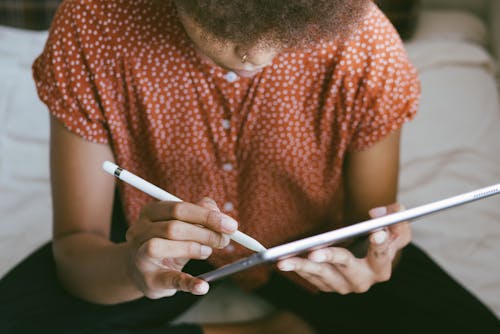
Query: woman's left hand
336	269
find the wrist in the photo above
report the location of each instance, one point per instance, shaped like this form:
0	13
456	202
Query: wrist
130	274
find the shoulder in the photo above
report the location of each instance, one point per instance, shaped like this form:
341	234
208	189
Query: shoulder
98	19
78	21
106	31
79	10
373	49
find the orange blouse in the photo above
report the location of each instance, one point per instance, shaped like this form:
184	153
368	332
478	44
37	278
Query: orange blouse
268	149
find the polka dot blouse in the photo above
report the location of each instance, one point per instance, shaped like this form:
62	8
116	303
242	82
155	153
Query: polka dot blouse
269	149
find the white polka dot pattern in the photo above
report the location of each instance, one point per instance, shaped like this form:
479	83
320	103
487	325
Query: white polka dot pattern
125	73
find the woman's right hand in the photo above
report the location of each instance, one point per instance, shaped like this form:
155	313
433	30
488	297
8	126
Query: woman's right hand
166	236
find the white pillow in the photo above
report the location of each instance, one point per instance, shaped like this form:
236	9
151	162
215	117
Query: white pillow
25	201
429	54
478	7
24	126
449	24
21	46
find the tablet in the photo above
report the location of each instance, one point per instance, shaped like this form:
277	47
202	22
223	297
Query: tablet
329	238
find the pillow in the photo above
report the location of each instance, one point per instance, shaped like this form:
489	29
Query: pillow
21	46
448	24
24	151
479	7
429	54
24	128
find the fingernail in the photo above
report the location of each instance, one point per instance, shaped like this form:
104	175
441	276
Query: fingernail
378	212
206	251
225	240
201	288
208	201
286	266
339	258
379	237
317	257
228	224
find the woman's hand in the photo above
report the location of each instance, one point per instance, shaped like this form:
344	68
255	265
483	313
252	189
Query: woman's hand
166	236
335	269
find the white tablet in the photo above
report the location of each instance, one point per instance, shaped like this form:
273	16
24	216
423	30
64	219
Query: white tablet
335	236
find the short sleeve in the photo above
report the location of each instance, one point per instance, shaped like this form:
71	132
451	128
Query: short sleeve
387	94
65	77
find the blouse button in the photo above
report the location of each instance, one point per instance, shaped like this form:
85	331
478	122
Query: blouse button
226	124
227	167
231	76
228	206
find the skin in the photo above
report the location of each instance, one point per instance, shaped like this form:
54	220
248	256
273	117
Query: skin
168	234
226	54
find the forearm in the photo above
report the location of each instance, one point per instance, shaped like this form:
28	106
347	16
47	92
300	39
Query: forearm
371	178
94	269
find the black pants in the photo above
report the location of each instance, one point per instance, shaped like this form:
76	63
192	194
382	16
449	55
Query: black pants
420	298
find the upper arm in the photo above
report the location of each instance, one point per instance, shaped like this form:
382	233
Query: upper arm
82	193
371	177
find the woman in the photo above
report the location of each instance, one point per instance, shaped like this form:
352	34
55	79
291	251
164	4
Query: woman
277	118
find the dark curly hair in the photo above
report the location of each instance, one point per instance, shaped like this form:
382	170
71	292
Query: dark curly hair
283	22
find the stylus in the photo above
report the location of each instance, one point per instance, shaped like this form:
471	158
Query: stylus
162	195
332	237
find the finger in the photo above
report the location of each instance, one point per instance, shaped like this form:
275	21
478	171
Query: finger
385	210
175	230
401	234
378	212
191	213
292	264
395	207
380	255
210	203
180	281
355	272
158	248
337	256
324	276
182	231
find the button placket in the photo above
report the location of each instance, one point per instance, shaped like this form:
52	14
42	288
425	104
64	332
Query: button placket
231	91
230	176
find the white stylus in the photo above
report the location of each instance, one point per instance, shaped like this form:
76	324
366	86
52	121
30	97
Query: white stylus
162	195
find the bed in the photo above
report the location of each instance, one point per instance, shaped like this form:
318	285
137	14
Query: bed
452	146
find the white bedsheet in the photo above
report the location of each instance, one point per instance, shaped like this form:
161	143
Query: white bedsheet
459	152
451	147
25	203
